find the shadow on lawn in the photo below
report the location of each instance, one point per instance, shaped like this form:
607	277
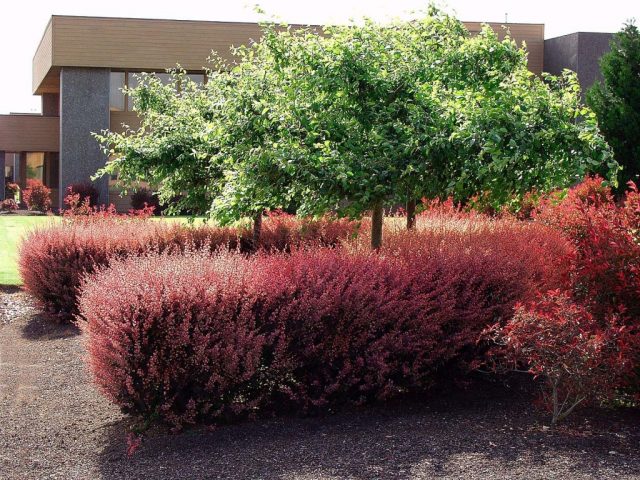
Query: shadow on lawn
10	289
43	326
480	434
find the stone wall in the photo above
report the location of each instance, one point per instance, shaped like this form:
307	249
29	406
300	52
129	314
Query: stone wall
84	108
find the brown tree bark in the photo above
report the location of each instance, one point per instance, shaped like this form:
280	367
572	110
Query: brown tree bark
257	230
411	213
377	217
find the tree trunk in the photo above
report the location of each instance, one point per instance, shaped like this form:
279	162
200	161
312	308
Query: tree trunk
377	218
411	213
257	230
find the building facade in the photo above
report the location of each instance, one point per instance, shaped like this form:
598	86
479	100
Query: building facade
80	67
580	52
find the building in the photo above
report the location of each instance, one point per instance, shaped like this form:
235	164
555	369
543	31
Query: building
82	63
580	52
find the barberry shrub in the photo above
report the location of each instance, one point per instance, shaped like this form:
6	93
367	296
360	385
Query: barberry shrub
198	338
281	231
182	344
145	198
86	192
52	260
78	208
561	342
37	196
8	205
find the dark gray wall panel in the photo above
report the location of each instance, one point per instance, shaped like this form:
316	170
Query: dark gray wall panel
84	108
560	53
591	47
580	52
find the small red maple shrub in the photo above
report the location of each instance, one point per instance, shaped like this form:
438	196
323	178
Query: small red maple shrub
37	196
585	341
561	342
605	270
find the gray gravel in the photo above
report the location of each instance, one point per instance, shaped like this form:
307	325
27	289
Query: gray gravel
53	424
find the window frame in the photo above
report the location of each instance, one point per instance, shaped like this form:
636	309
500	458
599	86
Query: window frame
127	72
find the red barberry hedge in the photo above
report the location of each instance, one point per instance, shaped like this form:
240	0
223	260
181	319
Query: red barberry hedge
52	260
197	338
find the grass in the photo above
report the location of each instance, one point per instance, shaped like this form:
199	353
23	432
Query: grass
12	230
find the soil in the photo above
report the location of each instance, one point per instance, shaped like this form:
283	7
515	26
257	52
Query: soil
54	424
28	213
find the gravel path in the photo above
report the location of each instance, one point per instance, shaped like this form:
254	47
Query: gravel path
53	424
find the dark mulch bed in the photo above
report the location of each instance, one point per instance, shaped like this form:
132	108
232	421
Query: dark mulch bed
24	213
53	424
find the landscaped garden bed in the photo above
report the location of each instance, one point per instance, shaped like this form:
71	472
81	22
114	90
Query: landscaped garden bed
55	423
201	325
523	284
192	337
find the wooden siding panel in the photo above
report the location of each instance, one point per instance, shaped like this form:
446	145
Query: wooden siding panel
43	58
145	44
155	45
29	133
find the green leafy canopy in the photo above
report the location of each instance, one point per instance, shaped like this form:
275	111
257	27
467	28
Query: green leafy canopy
350	117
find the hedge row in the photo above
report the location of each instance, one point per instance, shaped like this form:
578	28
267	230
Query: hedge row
53	260
201	338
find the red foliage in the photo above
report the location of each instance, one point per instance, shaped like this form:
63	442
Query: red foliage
75	206
281	231
8	205
37	196
561	342
84	191
605	272
52	260
198	339
78	207
590	333
181	343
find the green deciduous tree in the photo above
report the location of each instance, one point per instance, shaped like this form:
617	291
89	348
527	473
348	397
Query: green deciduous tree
358	118
169	149
616	100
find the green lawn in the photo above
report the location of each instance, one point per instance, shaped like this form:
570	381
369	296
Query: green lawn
14	227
